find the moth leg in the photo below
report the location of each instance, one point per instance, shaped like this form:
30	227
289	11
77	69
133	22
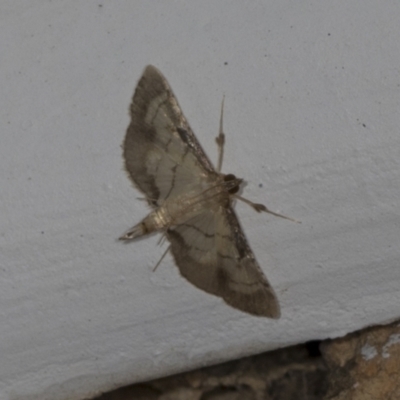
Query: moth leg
260	207
220	139
162	239
162	257
148	199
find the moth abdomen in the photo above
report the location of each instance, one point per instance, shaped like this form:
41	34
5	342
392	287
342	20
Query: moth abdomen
157	220
137	231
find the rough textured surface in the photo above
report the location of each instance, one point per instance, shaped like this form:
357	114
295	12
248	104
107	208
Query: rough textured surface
365	365
295	373
360	366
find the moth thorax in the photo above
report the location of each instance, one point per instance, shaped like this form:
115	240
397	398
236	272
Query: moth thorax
231	183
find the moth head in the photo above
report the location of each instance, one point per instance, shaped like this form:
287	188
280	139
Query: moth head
232	183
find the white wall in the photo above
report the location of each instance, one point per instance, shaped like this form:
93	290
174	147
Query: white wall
312	122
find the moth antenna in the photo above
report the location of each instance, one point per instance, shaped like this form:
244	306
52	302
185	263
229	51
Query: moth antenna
260	207
220	139
162	257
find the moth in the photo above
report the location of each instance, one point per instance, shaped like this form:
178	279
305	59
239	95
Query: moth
191	200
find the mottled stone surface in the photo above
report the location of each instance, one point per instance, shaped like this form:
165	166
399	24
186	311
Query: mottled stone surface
288	374
363	365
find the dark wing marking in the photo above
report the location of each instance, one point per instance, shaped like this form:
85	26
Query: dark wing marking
212	253
162	155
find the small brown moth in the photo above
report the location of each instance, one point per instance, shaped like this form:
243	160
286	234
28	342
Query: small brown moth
191	200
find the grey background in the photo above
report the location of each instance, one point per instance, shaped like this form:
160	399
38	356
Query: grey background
311	118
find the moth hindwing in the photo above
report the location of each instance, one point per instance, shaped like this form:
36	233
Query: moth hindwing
191	201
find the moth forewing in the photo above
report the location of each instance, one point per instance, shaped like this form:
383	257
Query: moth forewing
191	201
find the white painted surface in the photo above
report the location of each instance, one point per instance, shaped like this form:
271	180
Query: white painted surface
312	121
